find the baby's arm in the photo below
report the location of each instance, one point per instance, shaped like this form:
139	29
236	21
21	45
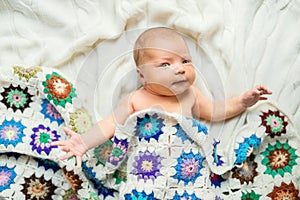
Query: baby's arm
216	111
102	131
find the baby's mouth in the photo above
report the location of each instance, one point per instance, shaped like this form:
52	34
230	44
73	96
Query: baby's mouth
179	82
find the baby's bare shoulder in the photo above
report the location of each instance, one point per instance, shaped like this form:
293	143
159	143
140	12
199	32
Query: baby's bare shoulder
136	97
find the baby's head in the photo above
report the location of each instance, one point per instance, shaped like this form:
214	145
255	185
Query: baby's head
157	38
163	62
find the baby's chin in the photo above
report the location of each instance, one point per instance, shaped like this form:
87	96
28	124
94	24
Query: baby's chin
170	93
164	91
179	92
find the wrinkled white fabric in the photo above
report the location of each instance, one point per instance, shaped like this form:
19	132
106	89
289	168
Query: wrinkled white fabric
244	43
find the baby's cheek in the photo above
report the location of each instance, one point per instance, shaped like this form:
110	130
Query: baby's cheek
191	76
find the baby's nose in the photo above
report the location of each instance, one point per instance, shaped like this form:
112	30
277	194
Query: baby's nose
179	69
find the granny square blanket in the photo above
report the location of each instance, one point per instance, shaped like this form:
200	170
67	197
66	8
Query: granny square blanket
159	155
35	104
154	155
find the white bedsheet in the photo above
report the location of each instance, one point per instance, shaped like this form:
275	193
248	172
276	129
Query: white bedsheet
237	45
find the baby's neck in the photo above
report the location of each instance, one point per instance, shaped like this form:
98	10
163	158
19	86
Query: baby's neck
170	96
181	104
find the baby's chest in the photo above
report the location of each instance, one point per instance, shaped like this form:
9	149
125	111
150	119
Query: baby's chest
181	107
181	104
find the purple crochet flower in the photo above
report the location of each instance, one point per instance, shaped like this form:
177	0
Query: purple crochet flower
118	152
147	165
42	137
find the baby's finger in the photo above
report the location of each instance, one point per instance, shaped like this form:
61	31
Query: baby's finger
263	98
263	89
262	92
257	92
64	148
68	132
57	143
68	155
266	91
78	160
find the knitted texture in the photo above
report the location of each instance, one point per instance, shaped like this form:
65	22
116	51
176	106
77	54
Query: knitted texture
35	104
158	155
154	155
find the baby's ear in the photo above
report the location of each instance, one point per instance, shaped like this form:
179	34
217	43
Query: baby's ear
140	73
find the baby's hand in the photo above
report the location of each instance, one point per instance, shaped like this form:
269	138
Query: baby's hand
74	146
254	95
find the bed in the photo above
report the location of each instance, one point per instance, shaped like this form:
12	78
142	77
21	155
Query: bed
87	45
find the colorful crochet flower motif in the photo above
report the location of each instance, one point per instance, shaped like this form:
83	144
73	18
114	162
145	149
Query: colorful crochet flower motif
135	195
149	127
246	148
47	164
88	170
50	112
250	196
147	165
7	177
284	191
102	190
185	196
201	127
73	179
216	157
58	89
247	173
102	152
16	98
216	179
38	188
42	137
188	167
279	158
27	73
11	132
120	175
274	123
118	152
70	195
80	121
181	133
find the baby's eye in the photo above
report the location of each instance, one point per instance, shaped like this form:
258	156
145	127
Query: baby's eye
164	65
186	61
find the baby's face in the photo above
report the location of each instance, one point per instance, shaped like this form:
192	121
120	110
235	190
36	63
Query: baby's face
167	69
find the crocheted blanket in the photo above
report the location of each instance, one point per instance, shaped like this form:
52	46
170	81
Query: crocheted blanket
154	155
35	104
158	155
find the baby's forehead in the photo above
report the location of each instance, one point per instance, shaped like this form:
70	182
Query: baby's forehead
165	52
157	34
161	44
160	38
157	40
